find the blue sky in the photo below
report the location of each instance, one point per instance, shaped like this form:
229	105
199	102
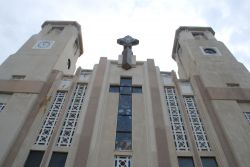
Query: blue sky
153	22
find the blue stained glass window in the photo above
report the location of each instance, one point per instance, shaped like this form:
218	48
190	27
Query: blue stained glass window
123	141
125	101
125	111
125	90
114	88
126	81
124	123
137	89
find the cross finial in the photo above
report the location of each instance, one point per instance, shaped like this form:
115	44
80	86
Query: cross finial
127	53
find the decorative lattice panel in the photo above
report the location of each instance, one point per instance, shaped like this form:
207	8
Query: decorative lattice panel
196	124
177	125
72	115
247	115
2	106
122	161
51	119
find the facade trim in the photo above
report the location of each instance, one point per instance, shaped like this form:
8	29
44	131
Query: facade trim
24	130
21	86
89	121
159	124
226	147
228	93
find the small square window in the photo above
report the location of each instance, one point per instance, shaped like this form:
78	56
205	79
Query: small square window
208	162
186	162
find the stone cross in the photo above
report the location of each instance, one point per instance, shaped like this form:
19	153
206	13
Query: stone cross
127	53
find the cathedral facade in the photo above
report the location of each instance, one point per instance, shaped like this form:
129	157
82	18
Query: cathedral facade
123	113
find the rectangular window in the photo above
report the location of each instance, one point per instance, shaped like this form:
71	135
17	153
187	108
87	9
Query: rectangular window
122	161
18	77
199	132
176	120
186	162
71	119
124	118
247	115
208	162
51	119
58	159
124	123
34	159
233	85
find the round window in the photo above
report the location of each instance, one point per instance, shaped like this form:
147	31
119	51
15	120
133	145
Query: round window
210	51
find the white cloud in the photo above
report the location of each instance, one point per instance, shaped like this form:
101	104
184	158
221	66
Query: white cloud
153	22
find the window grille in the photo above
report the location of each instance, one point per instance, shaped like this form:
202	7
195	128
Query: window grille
196	124
122	161
247	115
2	106
51	119
70	122
176	120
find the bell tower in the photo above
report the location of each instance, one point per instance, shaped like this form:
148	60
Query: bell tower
197	52
27	76
222	85
56	47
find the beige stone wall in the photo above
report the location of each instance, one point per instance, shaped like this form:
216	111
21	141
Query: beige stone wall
11	120
229	130
26	96
103	139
